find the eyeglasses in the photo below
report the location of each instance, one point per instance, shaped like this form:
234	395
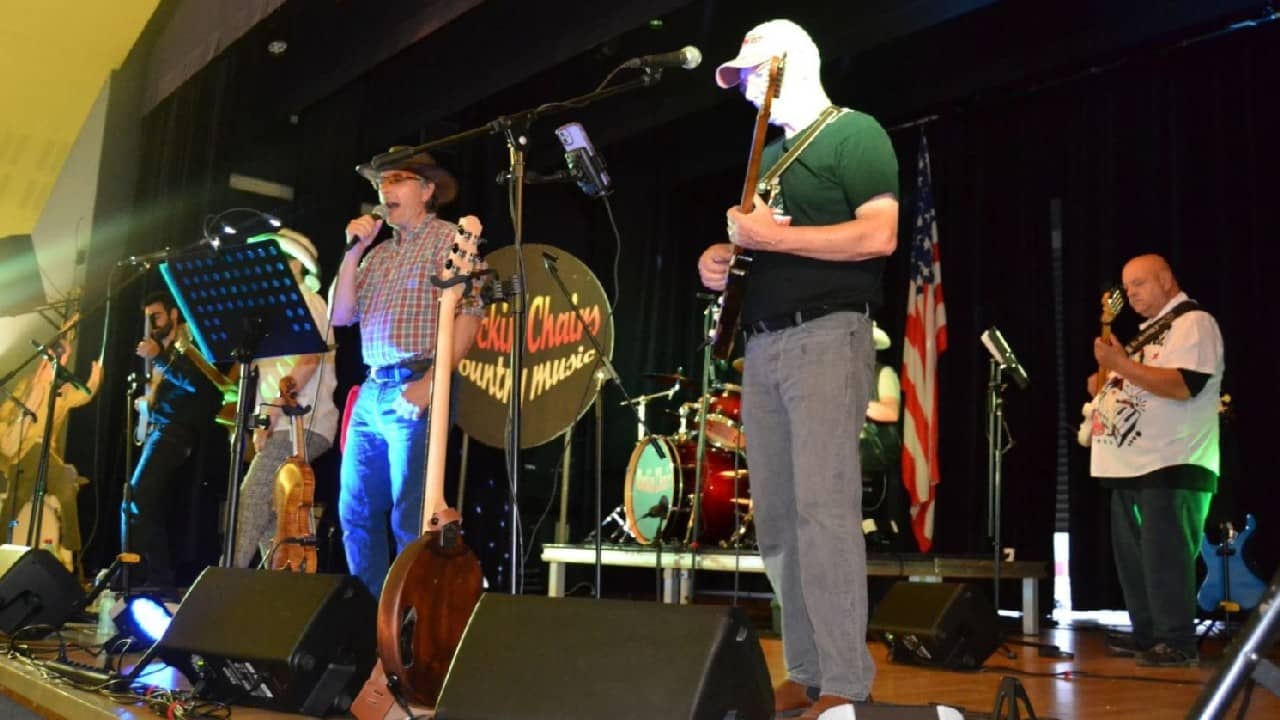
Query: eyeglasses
395	179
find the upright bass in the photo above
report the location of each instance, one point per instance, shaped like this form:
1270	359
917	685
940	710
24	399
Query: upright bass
294	545
436	581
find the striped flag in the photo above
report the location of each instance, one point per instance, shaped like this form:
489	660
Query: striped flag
926	339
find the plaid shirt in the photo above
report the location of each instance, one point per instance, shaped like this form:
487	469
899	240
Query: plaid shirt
395	300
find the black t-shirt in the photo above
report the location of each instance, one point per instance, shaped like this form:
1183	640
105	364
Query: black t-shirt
850	162
184	397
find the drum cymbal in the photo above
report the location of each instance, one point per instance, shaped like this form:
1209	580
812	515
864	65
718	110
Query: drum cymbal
739	364
666	377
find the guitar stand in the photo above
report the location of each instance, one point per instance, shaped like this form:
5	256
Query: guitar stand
1226	607
1009	699
1245	663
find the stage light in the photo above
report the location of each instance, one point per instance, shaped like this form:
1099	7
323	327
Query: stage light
274	221
228	230
144	618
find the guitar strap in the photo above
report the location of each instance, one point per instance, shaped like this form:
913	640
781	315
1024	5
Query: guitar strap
1154	330
772	180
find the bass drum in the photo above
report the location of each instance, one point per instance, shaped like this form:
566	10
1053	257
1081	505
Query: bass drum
658	494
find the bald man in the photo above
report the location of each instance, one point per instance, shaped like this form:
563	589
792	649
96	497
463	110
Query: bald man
1155	446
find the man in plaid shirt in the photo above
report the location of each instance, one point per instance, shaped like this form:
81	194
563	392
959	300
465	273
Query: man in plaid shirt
391	296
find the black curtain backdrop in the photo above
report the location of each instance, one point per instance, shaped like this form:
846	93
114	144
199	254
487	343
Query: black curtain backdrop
1171	152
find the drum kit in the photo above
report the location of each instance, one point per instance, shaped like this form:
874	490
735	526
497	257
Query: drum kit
660	495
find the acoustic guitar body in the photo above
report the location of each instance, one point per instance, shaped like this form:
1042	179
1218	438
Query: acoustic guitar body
427	600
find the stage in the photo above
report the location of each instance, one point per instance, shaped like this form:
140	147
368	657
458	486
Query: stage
1091	685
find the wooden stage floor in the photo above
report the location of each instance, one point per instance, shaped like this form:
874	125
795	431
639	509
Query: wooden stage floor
1092	685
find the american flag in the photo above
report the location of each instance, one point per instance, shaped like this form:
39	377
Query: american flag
926	339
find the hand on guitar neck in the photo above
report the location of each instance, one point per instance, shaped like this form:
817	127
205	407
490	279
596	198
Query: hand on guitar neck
1112	304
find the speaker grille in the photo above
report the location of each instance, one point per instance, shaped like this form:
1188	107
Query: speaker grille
571	659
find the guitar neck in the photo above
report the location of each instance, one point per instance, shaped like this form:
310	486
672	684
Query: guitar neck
438	438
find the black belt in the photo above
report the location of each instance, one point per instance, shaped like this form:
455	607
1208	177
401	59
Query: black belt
399	372
799	317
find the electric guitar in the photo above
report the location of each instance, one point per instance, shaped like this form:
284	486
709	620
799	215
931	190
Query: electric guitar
1112	304
1229	580
729	310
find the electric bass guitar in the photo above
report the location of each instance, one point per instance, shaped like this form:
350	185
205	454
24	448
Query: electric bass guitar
728	313
1229	580
435	582
1112	304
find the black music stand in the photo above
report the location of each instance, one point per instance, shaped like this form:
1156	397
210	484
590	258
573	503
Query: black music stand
242	303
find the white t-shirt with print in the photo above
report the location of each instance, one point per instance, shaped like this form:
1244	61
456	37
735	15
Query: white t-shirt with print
1136	432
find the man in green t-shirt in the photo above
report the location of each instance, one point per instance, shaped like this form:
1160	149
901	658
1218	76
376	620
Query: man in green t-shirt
819	245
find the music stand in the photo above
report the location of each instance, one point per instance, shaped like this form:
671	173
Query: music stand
242	303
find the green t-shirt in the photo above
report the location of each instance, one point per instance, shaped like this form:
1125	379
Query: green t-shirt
849	162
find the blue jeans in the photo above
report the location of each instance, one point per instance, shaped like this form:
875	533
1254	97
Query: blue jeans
381	480
805	394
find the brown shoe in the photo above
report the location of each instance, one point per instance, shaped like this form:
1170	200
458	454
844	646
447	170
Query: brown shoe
791	698
825	703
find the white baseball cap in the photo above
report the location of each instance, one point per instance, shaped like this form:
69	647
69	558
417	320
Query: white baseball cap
774	38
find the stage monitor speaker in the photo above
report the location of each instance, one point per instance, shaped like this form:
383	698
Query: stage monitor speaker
35	590
540	658
948	625
293	642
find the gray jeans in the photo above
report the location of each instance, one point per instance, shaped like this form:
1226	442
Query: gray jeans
805	396
256	512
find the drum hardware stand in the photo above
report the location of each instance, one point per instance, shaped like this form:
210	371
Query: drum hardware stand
610	372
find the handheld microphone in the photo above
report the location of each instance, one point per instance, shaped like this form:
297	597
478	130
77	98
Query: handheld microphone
585	165
1003	354
379	212
687	57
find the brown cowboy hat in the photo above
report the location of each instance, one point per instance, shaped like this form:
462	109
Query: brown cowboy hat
420	164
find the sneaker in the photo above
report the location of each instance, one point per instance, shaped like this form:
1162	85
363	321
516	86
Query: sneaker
1164	656
1122	645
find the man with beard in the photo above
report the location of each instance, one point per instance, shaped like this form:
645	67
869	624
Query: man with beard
182	408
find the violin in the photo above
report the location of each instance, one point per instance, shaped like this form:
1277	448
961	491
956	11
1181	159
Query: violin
435	582
294	545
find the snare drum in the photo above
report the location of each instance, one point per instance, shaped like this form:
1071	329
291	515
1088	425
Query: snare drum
659	491
724	419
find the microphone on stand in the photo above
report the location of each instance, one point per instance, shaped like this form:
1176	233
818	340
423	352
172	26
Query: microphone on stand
532	177
1003	354
585	165
687	57
63	373
379	212
147	259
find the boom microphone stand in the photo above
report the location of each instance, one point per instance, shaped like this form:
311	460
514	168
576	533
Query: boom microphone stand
549	261
514	129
